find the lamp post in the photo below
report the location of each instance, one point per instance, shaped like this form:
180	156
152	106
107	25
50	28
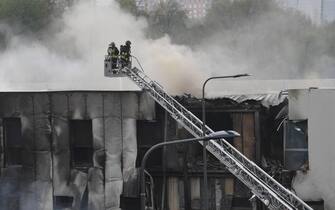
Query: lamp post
215	135
204	151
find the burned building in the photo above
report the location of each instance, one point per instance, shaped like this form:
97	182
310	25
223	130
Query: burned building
178	172
79	149
68	150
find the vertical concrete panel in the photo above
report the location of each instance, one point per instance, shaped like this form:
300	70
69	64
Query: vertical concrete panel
77	106
27	123
44	195
78	184
43	166
28	199
113	148
98	133
129	145
29	189
112	105
25	104
41	104
60	143
42	132
10	188
36	196
60	134
96	189
173	193
41	123
59	105
146	107
25	111
195	193
94	105
130	106
113	191
61	172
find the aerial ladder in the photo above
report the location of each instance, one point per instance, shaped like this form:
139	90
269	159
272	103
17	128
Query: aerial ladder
267	189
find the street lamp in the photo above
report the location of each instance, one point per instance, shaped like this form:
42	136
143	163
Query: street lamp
204	151
215	135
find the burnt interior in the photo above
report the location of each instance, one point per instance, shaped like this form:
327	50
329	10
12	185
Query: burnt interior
81	138
12	141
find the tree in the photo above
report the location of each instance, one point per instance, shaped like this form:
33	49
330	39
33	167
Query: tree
30	15
128	5
227	13
167	18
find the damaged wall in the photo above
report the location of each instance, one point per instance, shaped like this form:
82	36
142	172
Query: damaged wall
317	106
48	175
178	181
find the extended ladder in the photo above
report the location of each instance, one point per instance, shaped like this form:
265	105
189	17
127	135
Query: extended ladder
266	188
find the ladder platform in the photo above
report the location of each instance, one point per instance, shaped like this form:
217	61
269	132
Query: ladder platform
110	72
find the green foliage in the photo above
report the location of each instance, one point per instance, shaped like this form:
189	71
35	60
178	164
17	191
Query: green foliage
227	14
30	15
167	18
128	5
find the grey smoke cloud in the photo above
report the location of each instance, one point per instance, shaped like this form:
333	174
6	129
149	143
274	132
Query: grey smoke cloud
272	46
73	57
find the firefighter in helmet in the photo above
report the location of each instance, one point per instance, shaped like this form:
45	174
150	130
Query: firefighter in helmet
125	54
113	54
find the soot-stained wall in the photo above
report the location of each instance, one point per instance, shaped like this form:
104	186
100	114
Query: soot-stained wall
46	175
178	170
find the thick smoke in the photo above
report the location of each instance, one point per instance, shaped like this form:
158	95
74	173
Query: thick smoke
72	57
271	44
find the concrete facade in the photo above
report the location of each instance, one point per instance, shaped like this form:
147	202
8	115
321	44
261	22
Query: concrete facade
47	175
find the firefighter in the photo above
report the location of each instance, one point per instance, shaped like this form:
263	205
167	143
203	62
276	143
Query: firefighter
113	54
125	54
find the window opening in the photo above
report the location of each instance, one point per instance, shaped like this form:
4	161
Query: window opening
81	143
296	145
12	141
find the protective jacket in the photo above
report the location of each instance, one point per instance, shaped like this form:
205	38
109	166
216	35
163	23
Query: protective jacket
113	52
125	51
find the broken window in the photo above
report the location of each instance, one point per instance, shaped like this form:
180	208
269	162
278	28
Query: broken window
81	143
12	141
296	145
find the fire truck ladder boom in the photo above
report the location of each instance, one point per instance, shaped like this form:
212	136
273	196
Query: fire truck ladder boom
262	185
